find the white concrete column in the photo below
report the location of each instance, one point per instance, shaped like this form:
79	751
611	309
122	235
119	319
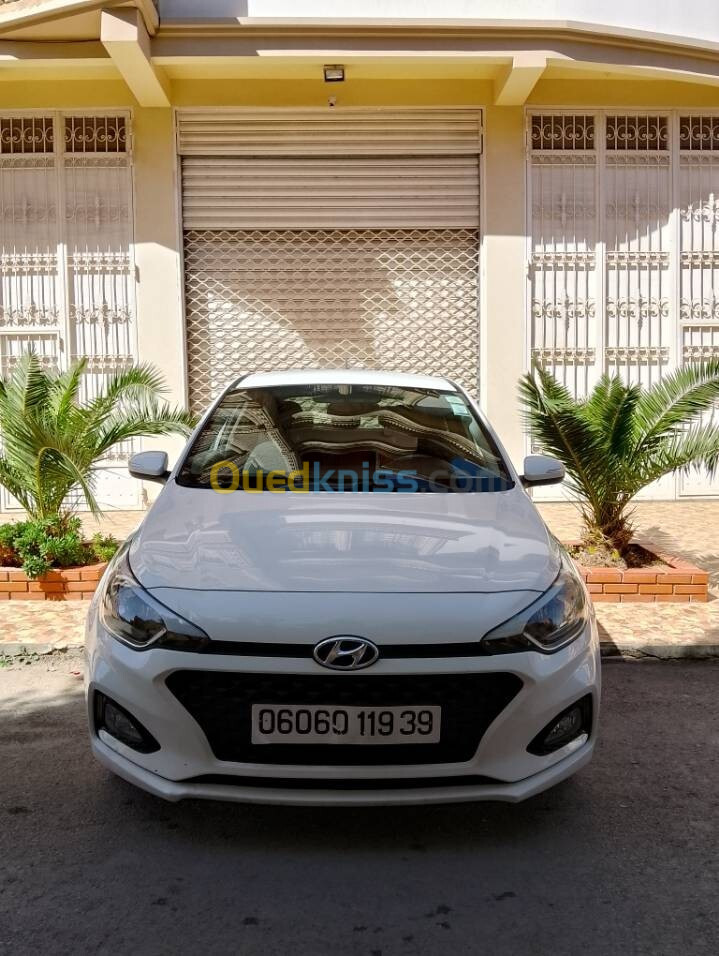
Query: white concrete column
157	248
502	329
160	318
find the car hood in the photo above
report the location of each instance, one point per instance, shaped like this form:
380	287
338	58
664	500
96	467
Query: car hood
203	540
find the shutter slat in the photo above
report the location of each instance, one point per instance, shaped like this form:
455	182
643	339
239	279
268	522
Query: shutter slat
243	192
313	132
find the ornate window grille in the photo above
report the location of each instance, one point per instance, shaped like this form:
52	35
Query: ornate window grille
562	132
562	266
624	249
637	133
20	135
699	133
95	134
698	267
66	246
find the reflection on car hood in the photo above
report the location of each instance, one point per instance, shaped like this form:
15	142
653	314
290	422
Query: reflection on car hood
199	539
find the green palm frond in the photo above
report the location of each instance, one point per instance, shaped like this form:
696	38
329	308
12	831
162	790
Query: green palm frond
14	483
139	383
691	448
611	409
553	390
150	419
56	474
64	391
52	441
23	389
678	399
558	424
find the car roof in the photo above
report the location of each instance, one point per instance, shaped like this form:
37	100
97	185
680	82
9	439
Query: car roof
344	376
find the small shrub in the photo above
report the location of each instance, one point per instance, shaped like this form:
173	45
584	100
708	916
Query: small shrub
35	565
8	556
46	543
42	544
104	546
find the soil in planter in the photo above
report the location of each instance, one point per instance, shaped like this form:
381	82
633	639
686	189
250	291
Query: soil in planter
601	556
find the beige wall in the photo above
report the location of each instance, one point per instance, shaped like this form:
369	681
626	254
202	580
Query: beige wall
157	248
502	329
160	326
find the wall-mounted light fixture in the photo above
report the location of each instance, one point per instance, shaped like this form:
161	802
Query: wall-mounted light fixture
334	73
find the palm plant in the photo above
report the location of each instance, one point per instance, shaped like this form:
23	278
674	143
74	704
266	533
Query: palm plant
622	437
51	440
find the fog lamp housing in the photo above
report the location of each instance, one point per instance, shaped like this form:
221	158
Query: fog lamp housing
572	722
121	725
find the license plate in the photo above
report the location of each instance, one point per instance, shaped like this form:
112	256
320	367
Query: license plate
315	724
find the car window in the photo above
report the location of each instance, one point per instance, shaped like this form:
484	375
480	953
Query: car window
344	438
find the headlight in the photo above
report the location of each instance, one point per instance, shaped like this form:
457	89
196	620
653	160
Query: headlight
552	622
137	619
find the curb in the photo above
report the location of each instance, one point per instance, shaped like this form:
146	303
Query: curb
18	649
663	652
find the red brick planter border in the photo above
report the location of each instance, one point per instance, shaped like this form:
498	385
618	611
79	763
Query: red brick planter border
682	582
70	584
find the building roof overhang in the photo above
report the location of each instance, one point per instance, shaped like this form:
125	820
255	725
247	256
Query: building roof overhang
35	16
123	38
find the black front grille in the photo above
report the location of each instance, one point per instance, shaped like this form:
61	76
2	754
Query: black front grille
221	704
305	651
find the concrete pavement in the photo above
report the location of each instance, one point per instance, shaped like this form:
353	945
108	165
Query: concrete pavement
623	859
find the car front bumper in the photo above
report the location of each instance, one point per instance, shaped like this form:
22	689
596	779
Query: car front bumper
185	766
295	795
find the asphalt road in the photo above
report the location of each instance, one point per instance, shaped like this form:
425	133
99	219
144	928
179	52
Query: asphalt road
623	859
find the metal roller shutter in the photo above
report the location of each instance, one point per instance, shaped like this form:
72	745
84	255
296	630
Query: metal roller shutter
238	192
336	239
347	132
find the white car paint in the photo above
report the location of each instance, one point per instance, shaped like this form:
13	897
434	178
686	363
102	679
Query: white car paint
325	541
407	570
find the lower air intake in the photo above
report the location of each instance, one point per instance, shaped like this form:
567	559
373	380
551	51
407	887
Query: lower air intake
221	704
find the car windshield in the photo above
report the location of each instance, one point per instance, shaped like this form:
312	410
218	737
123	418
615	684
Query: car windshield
344	438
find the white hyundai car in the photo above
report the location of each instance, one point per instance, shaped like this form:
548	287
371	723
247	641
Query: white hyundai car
343	595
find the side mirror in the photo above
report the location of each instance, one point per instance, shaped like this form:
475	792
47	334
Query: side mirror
150	466
542	470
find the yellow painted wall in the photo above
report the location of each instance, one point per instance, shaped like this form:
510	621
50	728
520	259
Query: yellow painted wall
237	92
598	93
65	94
602	92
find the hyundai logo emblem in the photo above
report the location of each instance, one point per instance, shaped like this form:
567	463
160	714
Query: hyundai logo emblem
345	653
